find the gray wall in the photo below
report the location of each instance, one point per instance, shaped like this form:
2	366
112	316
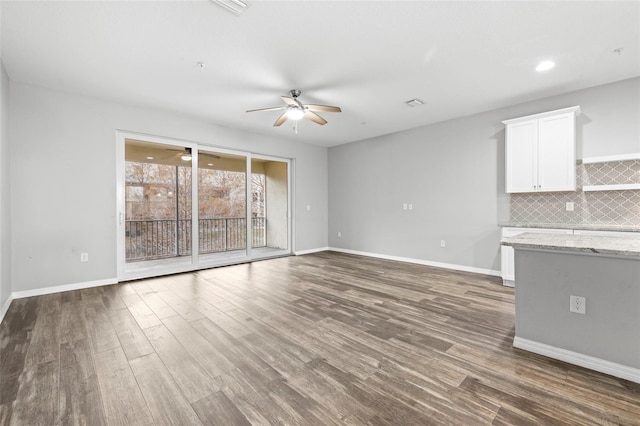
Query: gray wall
609	328
5	218
64	181
453	174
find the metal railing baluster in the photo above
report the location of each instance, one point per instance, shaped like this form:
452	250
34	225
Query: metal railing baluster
160	238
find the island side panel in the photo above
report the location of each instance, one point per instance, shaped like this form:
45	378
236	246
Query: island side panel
610	329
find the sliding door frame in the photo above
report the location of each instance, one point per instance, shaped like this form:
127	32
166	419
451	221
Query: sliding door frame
195	264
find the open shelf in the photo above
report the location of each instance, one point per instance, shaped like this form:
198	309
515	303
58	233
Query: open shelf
621	187
610	158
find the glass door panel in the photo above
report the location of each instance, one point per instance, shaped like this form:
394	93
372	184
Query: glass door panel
222	205
270	207
157	210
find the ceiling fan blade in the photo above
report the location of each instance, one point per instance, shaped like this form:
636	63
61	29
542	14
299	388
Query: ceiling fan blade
315	118
267	109
323	108
185	150
280	120
204	154
289	101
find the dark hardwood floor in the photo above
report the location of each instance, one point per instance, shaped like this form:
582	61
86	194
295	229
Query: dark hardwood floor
322	339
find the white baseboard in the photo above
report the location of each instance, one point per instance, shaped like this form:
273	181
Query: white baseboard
5	308
586	361
315	250
455	267
60	288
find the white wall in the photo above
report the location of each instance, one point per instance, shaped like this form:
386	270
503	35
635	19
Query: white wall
453	174
5	218
64	181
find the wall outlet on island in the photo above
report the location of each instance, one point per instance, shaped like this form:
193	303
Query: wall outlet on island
577	304
569	206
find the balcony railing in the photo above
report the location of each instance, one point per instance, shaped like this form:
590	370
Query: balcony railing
157	239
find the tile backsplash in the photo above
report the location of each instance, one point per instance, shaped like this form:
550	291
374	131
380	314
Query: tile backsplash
618	208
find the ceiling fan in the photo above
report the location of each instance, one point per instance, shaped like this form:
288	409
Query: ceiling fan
296	110
185	154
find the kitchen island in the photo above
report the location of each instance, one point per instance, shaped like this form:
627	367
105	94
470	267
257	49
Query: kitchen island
605	271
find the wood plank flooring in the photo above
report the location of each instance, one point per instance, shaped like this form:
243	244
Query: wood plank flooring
320	339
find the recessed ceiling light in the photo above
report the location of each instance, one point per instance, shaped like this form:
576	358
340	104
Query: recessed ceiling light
414	102
149	158
545	66
210	164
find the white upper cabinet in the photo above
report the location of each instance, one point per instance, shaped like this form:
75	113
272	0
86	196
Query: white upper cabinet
541	152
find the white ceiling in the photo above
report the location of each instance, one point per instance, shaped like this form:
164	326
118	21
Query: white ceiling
368	57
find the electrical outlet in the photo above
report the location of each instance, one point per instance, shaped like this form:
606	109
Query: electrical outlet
577	304
410	206
84	257
404	206
569	206
339	234
443	243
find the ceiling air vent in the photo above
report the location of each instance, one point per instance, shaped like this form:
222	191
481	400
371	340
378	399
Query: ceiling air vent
414	102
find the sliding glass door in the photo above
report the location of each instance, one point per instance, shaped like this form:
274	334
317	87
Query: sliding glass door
270	206
184	207
222	205
158	205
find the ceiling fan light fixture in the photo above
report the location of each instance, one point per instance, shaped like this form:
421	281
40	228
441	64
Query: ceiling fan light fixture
295	113
235	6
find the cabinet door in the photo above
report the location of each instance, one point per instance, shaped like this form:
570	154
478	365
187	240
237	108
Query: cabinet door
521	150
507	259
556	153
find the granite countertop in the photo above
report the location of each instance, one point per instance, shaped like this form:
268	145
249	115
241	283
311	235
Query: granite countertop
580	226
593	244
